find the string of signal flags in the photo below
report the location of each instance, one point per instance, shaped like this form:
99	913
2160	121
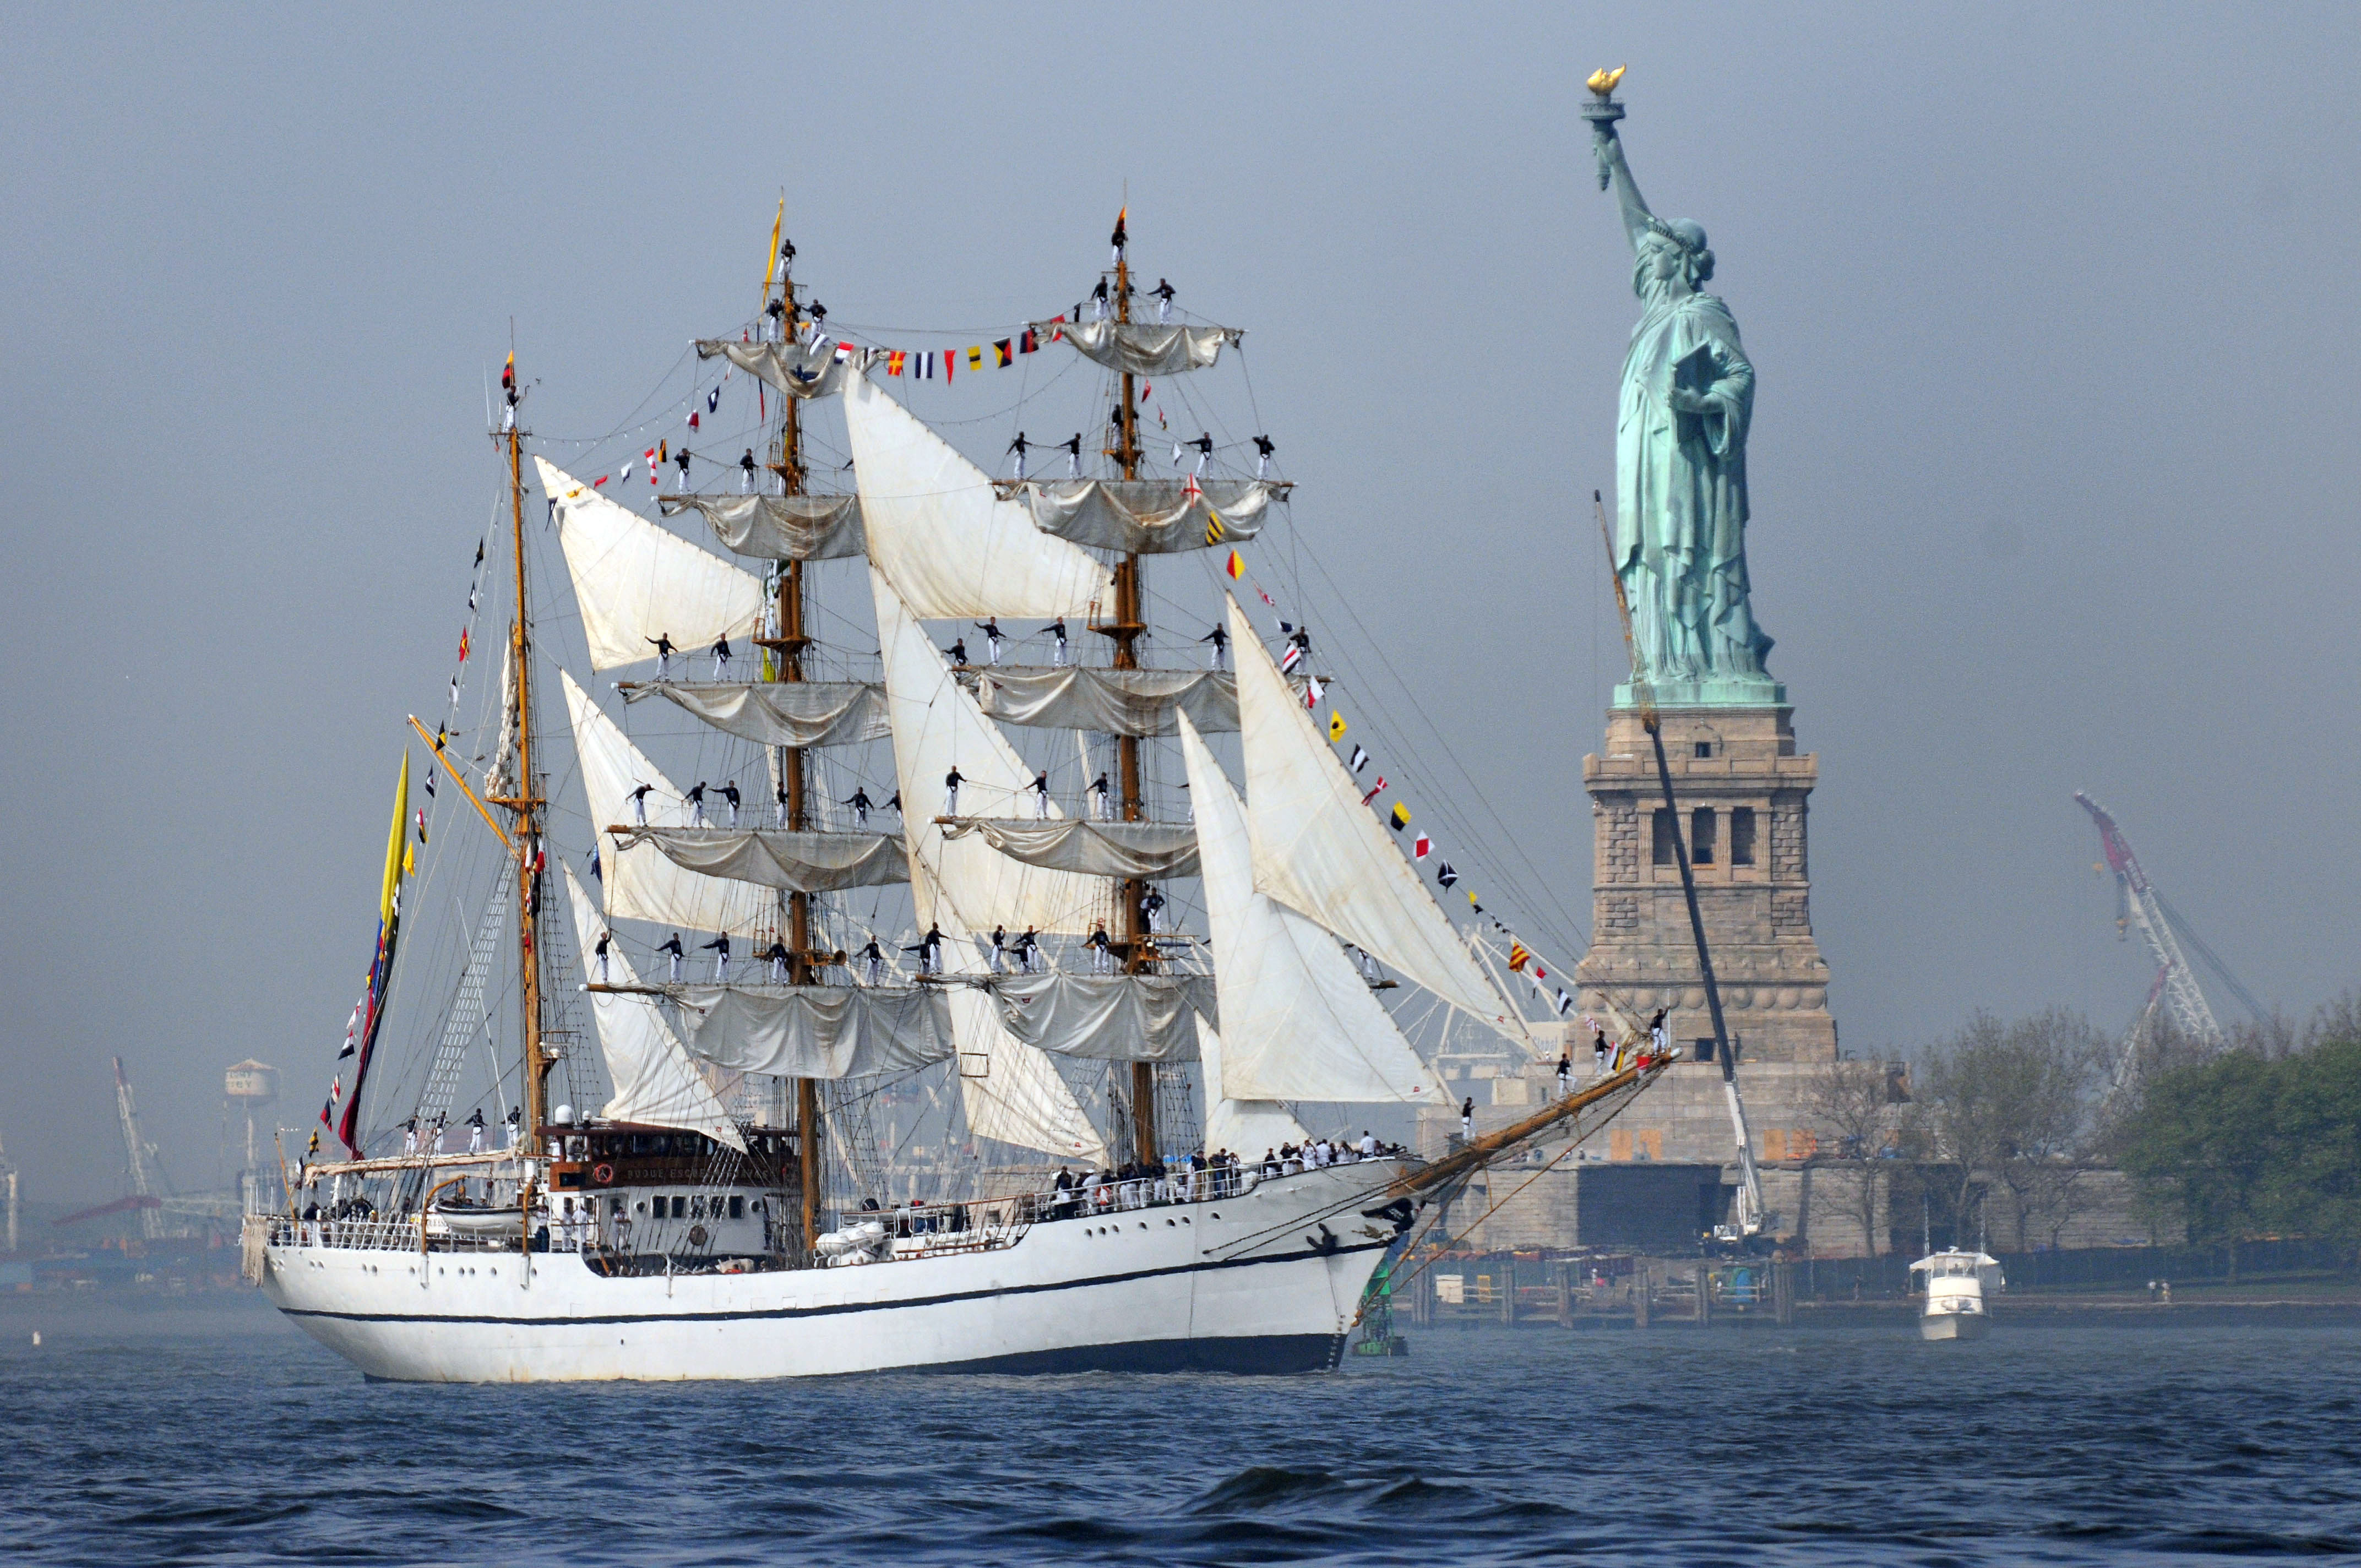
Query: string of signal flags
1424	853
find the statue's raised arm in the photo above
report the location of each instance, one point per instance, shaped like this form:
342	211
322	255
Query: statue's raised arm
1613	168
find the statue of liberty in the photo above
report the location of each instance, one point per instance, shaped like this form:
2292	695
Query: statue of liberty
1680	458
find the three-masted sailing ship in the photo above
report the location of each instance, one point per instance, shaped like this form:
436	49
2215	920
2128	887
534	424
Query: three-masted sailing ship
725	1211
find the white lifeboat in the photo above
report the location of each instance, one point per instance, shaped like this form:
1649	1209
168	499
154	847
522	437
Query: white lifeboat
1955	1285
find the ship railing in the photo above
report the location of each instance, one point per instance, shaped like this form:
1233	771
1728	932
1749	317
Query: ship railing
380	1232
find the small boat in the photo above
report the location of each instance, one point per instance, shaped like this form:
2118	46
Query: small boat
1956	1283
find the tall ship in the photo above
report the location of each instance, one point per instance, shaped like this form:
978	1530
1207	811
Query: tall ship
972	983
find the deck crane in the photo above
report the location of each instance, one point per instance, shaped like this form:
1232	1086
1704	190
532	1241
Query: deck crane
1751	1215
2175	992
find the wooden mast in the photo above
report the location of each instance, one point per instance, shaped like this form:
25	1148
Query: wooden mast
526	839
787	649
1129	623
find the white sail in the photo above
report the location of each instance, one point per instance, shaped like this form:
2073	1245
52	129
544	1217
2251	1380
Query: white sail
1145	348
778	857
778	528
1242	1127
641	883
964	883
812	368
1299	1022
1152	516
1149	851
634	581
803	714
817	1031
951	546
1107	701
1106	1017
1320	851
655	1082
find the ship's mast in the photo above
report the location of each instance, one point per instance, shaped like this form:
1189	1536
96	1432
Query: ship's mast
787	649
1128	624
526	805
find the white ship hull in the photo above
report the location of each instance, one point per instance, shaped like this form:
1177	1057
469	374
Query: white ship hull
1242	1284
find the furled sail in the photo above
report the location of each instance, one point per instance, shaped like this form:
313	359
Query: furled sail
1145	348
1150	851
779	713
654	1080
1298	1021
809	369
777	856
641	883
779	528
1106	1017
1149	517
817	1031
951	547
636	582
1107	701
1321	852
965	884
1241	1126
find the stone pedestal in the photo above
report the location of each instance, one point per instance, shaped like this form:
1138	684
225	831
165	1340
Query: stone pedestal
1744	797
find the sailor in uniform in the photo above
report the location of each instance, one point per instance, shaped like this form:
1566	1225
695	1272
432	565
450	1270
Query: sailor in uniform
1040	788
1057	630
745	472
673	950
729	793
1099	798
860	804
1163	293
1264	447
951	781
719	949
1020	446
1220	638
663	641
640	804
992	638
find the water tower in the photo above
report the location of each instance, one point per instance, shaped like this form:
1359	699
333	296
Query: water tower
249	1086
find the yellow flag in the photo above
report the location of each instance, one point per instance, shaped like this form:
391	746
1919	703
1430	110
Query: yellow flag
1401	817
409	860
1335	726
771	263
393	843
1214	532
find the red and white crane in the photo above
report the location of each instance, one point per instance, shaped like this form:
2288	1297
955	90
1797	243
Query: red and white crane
2175	991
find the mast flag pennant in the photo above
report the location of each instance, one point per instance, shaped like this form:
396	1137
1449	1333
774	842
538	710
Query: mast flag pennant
1236	566
1336	727
1424	847
1360	759
1400	817
1444	873
381	974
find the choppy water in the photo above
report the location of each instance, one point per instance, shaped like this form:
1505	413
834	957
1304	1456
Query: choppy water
220	1436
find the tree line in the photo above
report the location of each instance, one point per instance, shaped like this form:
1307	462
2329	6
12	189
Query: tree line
1999	1134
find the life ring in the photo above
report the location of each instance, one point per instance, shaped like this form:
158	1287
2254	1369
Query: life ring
603	1174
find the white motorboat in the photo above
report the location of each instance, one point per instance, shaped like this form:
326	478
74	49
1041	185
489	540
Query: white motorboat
1956	1285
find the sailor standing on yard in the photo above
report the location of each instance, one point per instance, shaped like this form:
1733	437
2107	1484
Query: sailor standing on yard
1020	446
476	1130
1564	1070
777	955
999	949
720	658
929	949
662	642
1028	952
1220	638
1102	951
780	803
605	940
640	804
1163	293
1099	798
992	638
1598	1051
873	962
1264	447
951	781
695	799
1074	456
729	793
516	1122
1204	445
680	457
1658	1038
745	472
1467	1121
860	804
719	949
1040	788
1057	630
672	950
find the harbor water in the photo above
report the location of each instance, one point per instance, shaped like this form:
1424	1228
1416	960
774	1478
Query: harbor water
212	1433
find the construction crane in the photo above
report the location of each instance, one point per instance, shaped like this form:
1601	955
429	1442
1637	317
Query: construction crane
139	1152
1752	1217
2175	992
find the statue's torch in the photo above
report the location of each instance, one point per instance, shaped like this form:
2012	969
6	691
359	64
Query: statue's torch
1602	111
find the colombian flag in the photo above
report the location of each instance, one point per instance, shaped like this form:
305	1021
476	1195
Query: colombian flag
381	976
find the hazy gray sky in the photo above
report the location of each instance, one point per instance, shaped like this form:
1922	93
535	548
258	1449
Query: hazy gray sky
2052	464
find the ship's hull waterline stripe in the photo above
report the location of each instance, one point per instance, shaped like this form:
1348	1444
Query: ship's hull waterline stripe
839	1309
